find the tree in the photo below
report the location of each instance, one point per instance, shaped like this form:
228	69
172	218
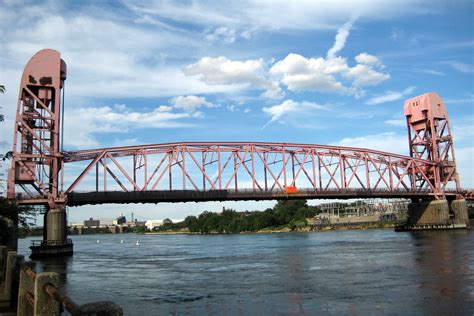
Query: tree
13	215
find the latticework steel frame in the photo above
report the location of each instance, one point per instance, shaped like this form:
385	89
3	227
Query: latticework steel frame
270	167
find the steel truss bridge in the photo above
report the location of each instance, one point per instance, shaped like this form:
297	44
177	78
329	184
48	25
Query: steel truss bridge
217	171
244	171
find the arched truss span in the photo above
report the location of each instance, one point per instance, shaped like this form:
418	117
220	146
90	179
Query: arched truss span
250	170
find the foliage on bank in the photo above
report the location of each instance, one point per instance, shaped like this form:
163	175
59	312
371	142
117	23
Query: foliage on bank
288	213
12	214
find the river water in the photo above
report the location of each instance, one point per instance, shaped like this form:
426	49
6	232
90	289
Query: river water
356	272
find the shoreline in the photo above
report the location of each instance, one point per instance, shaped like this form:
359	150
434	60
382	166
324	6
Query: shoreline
306	229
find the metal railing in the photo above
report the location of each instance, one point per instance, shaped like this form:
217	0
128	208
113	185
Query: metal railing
48	243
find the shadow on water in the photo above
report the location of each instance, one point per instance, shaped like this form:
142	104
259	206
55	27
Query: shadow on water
60	265
445	269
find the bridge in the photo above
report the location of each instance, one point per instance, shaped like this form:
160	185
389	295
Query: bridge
219	171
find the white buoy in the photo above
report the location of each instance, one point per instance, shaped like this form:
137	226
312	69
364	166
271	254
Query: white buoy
138	244
121	241
98	241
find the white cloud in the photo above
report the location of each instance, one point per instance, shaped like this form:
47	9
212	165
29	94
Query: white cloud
431	72
223	71
390	96
279	14
340	41
462	67
277	112
364	75
222	33
388	141
326	75
364	58
82	124
396	122
190	103
469	98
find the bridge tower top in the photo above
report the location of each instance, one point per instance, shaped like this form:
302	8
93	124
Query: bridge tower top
429	137
36	151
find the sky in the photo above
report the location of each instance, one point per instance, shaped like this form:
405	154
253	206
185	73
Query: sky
318	72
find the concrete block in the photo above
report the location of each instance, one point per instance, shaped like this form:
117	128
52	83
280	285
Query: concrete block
459	208
429	213
27	285
45	305
56	224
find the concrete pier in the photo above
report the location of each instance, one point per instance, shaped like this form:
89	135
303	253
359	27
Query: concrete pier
440	214
56	224
55	241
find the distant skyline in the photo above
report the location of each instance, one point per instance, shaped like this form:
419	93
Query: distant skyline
323	72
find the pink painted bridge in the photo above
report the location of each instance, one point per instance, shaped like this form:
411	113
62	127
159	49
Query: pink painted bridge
42	173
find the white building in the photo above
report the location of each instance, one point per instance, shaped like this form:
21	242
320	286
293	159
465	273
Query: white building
152	223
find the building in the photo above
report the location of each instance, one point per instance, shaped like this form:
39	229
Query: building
91	222
119	220
152	223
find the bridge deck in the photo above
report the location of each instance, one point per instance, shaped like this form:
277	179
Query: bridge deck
84	198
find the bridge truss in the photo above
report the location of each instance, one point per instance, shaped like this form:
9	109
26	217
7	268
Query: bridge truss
235	170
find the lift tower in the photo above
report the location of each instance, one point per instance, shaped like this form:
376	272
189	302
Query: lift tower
37	162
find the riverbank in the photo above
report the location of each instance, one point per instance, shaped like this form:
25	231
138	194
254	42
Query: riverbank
271	230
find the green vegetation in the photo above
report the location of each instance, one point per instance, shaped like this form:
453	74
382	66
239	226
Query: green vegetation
290	214
11	214
139	229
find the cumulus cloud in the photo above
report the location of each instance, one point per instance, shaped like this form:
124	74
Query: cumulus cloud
299	73
391	96
223	71
366	59
190	103
279	111
365	75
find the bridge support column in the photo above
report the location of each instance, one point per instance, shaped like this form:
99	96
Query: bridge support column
459	209
433	215
55	242
56	225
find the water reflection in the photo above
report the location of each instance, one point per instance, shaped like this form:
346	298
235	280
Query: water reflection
444	267
339	272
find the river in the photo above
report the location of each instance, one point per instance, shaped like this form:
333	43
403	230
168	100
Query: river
355	272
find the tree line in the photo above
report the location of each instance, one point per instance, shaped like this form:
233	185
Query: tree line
286	213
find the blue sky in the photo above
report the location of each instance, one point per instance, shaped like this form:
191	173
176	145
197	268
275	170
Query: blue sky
324	72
